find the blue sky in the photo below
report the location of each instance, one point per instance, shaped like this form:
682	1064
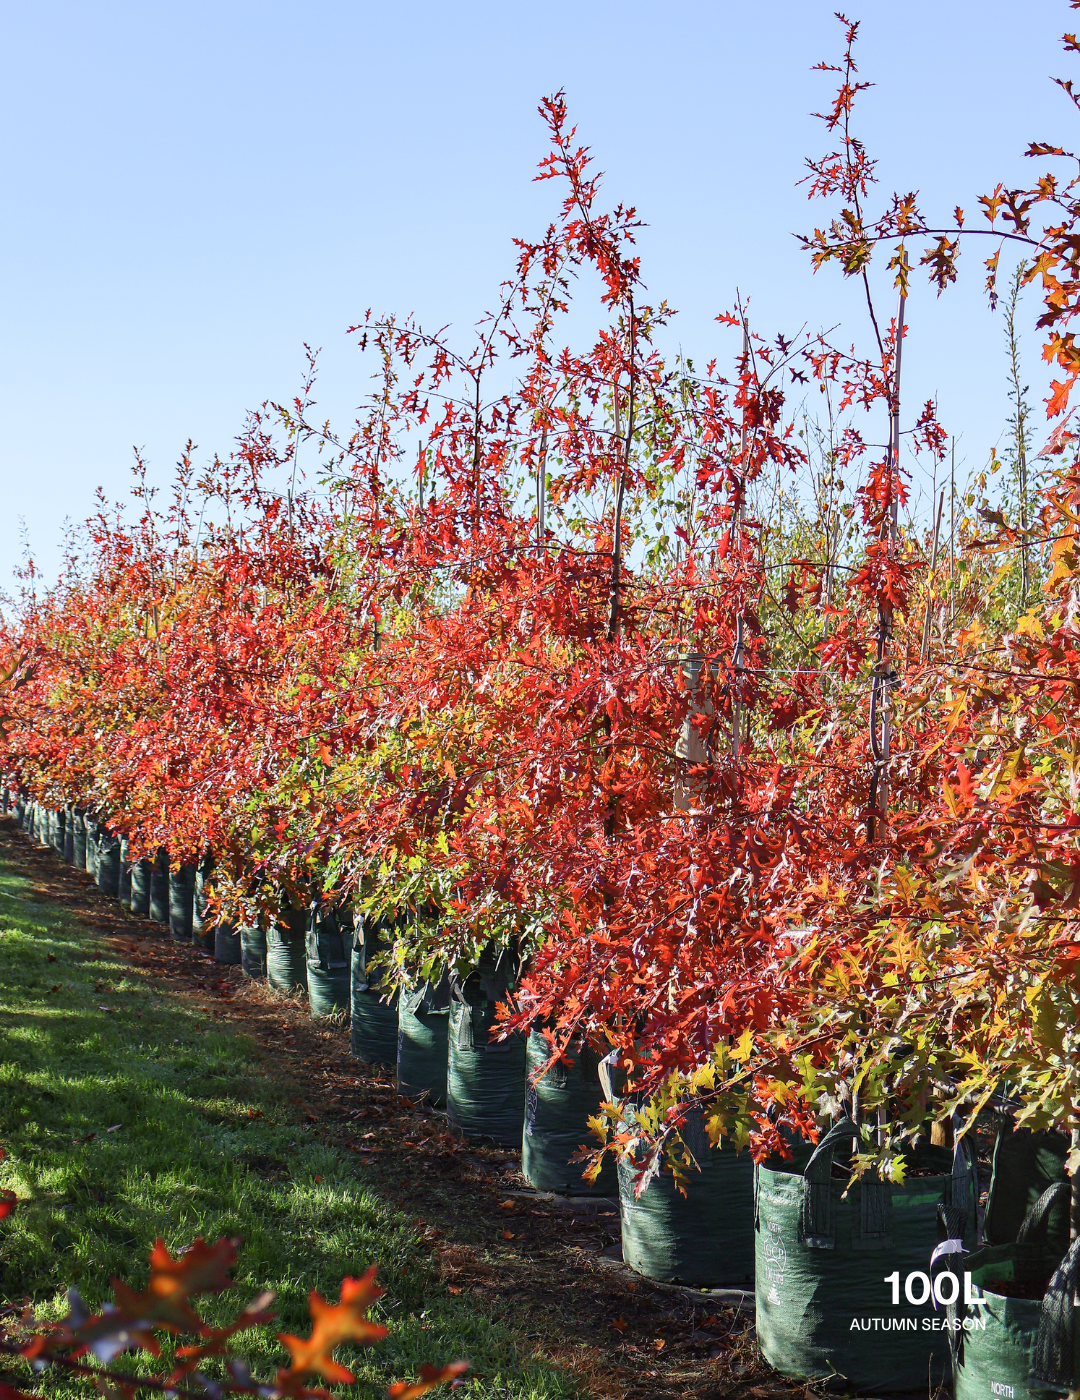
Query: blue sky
194	190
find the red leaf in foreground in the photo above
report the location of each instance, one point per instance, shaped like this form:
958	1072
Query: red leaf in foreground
430	1376
334	1323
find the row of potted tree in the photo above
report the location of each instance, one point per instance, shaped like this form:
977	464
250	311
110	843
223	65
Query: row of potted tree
591	662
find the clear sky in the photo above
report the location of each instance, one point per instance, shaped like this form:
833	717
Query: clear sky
194	190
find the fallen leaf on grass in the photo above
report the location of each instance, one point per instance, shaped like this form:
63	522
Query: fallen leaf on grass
507	1234
115	1128
52	957
8	1202
619	1324
659	1344
507	1205
453	1288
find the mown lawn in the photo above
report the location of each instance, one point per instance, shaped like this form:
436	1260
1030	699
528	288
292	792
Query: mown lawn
204	1142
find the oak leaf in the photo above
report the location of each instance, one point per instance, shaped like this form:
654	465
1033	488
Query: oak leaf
430	1377
334	1323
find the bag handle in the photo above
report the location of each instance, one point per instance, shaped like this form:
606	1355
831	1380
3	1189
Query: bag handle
1037	1221
1054	1343
603	1070
818	1227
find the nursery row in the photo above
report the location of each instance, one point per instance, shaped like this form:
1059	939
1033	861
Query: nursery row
588	705
978	1292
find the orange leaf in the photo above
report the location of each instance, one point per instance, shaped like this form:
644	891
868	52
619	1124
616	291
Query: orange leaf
202	1268
430	1376
333	1324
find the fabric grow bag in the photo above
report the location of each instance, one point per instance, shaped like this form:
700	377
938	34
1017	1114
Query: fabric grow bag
1024	1165
286	950
69	836
107	873
423	1031
59	824
328	963
203	930
124	892
373	1023
78	840
705	1238
558	1107
825	1308
253	953
93	835
182	903
226	943
485	1079
141	874
1001	1343
158	910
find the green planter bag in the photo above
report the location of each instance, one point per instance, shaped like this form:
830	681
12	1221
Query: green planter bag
423	1029
182	903
107	873
485	1079
141	873
159	889
1002	1344
93	835
705	1238
204	934
842	1282
286	950
78	840
557	1112
227	943
59	824
328	963
69	836
373	1022
253	953
124	892
1025	1164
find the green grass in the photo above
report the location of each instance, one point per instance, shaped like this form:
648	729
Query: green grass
192	1157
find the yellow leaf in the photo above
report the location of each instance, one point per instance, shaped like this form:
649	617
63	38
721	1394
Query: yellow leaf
742	1051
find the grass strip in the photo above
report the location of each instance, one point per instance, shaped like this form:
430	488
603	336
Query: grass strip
126	1116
